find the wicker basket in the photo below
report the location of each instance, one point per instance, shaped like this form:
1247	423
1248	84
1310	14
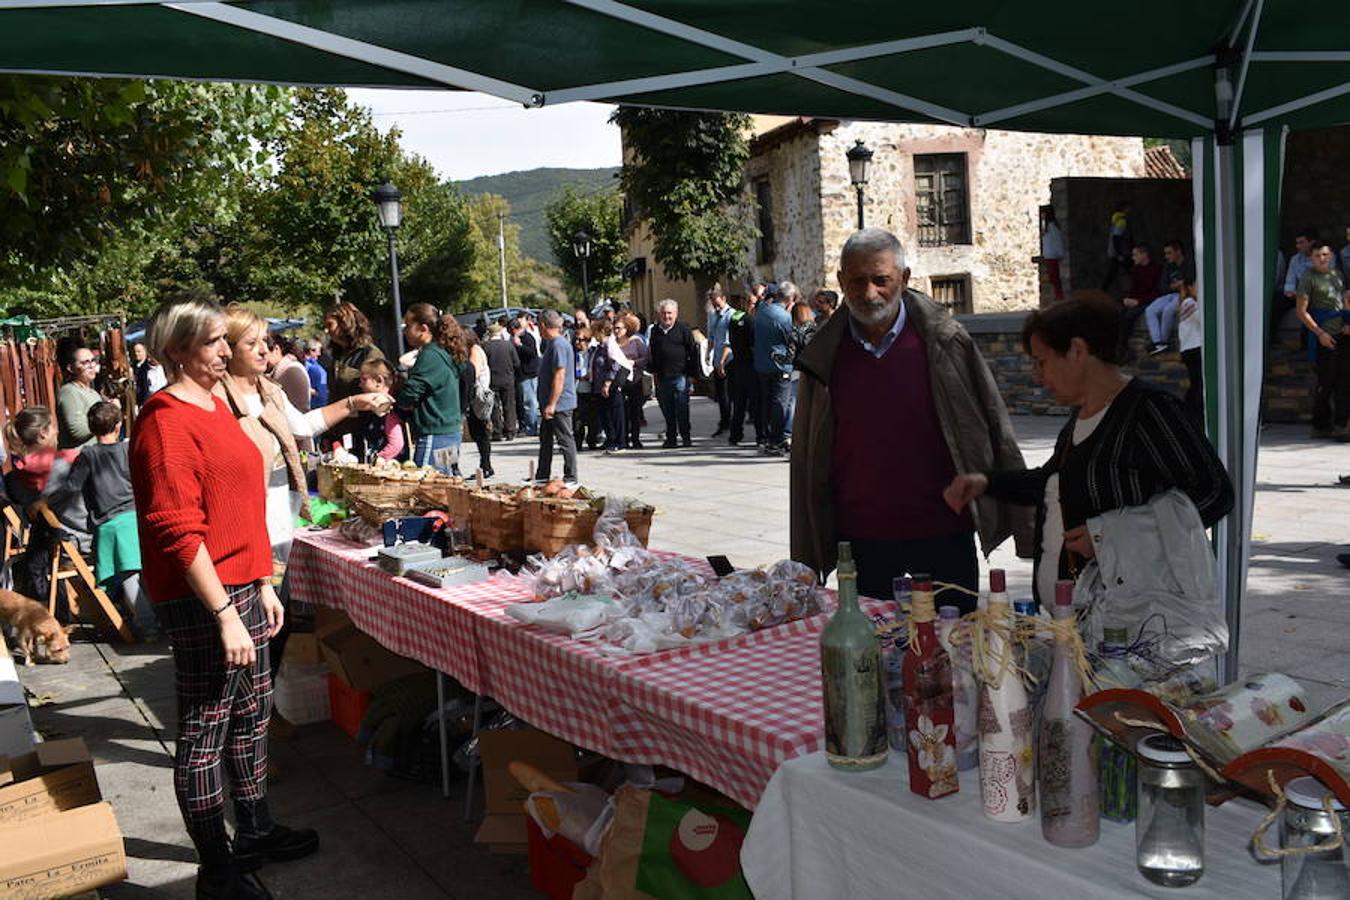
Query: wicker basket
497	519
378	504
552	524
639	519
331	477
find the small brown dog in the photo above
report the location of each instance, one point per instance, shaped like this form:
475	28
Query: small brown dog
34	626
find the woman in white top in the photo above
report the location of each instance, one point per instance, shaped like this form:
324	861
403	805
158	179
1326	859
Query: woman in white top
273	422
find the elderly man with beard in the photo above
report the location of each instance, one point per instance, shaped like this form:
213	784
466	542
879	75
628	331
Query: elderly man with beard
894	399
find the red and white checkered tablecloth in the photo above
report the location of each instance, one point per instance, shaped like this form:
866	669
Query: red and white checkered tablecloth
727	713
435	627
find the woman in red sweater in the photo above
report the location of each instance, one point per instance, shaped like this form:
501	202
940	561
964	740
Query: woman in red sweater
198	481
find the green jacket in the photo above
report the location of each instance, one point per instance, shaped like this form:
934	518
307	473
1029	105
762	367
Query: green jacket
430	397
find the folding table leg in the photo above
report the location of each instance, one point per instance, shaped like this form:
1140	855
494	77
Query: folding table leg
475	762
440	726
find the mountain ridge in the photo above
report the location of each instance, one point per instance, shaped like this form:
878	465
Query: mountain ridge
529	192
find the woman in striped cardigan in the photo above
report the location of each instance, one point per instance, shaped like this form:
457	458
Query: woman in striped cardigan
1127	442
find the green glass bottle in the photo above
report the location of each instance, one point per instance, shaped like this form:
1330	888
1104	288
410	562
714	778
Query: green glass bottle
850	666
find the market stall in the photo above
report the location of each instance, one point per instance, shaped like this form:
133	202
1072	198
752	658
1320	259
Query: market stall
726	712
647	657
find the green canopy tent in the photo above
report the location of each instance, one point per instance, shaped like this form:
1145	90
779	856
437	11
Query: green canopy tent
1230	75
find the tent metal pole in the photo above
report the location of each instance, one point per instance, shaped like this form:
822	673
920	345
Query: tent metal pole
1083	93
1232	536
1275	112
1246	65
358	50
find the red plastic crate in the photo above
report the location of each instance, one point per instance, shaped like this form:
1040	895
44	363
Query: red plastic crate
348	705
556	864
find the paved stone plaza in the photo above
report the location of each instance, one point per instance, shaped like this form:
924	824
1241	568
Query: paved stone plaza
383	837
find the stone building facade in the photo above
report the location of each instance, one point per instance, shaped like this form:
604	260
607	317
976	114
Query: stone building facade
979	258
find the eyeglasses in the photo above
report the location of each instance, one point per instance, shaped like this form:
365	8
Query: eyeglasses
86	362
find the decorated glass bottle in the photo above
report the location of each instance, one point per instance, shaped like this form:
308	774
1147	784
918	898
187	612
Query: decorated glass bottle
1066	758
964	693
1007	760
850	665
930	716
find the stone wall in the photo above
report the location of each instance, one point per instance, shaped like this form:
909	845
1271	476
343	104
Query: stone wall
1316	191
1288	385
1010	174
792	168
1160	211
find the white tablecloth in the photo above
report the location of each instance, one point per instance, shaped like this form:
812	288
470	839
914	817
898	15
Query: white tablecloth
819	834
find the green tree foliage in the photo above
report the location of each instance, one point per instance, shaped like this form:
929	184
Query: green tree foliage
87	161
599	214
257	194
685	177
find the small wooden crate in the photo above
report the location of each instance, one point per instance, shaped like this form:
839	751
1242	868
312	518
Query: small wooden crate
497	519
378	504
552	524
639	519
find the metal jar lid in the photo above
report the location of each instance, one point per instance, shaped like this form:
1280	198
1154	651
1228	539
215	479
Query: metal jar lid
1163	749
1308	792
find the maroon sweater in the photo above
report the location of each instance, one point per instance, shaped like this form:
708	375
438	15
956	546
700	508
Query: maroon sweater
198	479
890	462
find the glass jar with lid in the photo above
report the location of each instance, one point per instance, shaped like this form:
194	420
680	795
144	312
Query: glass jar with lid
1170	828
1313	874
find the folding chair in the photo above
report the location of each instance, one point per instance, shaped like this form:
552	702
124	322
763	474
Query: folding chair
70	572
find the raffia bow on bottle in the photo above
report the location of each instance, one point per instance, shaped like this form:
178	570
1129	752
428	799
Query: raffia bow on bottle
974	629
1335	842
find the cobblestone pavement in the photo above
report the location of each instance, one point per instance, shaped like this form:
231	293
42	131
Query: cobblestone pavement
391	838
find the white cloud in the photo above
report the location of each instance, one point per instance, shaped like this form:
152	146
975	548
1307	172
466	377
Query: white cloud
465	134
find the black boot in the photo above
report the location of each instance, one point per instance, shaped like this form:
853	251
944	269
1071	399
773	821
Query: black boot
258	840
218	877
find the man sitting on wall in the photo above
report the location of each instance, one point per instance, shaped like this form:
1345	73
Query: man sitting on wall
1161	314
1144	275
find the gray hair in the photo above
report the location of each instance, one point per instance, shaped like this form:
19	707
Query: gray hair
788	293
870	241
178	323
551	318
314	346
668	304
714	291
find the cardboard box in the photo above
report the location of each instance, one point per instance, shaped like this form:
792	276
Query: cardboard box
503	828
16	728
302	648
360	661
327	620
62	853
55	776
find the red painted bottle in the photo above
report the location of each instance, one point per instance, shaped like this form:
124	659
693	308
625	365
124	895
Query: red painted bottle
930	715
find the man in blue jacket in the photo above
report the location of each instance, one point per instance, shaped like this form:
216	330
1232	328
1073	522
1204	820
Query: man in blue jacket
773	365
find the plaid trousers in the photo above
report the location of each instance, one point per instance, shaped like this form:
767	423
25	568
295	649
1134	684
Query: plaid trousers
223	711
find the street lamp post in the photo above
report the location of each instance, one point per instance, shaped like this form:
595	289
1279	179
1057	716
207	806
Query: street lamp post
581	248
859	158
389	204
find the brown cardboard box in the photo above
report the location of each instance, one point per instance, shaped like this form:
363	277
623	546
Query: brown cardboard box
16	728
62	853
360	661
327	619
302	648
503	828
56	776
